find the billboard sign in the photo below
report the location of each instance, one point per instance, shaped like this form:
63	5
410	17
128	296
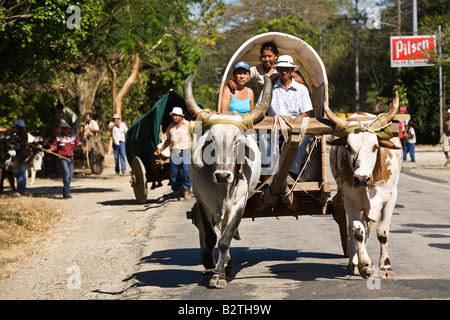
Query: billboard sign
412	51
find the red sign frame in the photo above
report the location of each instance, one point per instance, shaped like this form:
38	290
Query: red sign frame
412	51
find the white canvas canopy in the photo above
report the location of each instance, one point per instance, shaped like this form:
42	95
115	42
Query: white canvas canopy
311	68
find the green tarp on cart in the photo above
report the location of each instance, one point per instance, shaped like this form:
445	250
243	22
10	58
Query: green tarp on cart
143	135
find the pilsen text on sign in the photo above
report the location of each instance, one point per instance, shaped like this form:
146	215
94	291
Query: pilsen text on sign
412	51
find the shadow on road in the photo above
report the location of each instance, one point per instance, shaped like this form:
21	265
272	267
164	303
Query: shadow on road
242	258
56	191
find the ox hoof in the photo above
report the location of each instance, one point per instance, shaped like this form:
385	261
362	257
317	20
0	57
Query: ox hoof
229	271
352	270
386	272
367	271
218	281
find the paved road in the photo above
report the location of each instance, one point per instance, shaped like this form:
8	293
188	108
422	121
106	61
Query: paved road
108	247
302	259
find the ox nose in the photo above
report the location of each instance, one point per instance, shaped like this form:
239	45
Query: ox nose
222	177
362	180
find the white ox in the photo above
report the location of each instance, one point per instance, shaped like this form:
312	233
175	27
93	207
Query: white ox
222	183
366	169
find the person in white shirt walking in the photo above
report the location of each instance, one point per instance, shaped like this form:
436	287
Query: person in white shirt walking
178	139
119	131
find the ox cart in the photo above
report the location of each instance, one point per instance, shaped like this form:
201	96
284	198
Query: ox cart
227	192
142	139
309	191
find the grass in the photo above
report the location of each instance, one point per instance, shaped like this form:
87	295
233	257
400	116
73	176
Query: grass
21	218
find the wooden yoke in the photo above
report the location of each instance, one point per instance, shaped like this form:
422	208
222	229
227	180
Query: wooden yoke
315	127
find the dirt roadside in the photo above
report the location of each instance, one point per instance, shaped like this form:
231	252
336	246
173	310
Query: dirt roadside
429	164
97	246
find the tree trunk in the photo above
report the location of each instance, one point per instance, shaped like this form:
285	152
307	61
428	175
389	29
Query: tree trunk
87	86
118	99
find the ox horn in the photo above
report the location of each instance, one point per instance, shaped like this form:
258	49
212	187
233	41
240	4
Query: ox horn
330	114
335	118
258	113
191	105
391	113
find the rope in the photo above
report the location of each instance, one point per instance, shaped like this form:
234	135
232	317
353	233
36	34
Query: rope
314	145
378	126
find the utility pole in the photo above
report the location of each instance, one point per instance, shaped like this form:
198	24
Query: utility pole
441	100
356	57
415	17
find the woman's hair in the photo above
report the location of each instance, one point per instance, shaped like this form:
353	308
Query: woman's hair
269	46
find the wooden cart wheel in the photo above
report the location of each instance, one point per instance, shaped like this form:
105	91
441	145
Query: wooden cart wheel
96	156
139	180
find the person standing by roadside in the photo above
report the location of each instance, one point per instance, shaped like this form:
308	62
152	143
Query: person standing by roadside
410	136
119	131
90	127
445	139
178	140
21	174
64	144
403	124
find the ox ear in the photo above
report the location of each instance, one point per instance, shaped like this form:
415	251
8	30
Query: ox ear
338	142
387	144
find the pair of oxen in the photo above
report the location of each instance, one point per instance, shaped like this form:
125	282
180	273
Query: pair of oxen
365	162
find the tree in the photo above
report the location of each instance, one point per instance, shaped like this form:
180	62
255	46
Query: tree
36	40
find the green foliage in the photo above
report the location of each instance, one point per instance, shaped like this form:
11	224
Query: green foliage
35	41
423	97
179	58
292	25
41	59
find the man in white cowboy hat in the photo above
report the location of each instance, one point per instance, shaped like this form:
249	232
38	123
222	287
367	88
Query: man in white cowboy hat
119	131
289	98
178	140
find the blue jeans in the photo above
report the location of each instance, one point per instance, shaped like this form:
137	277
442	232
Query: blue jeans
119	155
270	162
21	177
74	128
179	169
67	173
410	147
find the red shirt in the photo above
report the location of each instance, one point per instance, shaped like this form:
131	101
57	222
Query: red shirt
65	145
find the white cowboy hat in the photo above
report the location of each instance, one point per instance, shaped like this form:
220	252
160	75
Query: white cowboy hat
286	62
177	111
116	116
